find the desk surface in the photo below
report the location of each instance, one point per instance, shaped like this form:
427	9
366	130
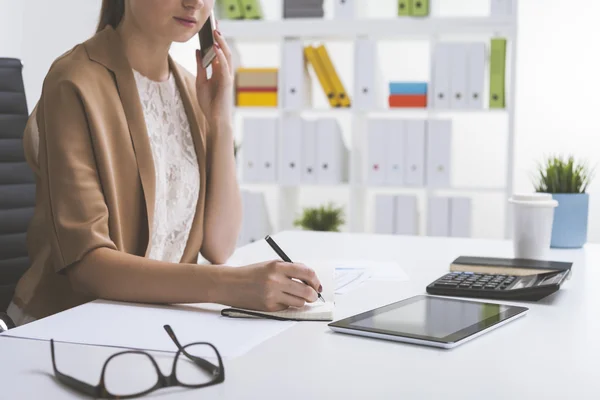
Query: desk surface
551	353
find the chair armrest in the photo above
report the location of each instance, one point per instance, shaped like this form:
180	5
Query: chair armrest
6	322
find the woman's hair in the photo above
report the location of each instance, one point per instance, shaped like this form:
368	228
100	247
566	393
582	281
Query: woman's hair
111	13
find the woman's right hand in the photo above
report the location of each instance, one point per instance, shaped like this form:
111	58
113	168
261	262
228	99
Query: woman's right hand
269	286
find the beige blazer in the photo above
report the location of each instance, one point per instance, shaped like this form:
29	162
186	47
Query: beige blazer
94	169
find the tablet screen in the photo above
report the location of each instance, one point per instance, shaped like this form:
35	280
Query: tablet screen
431	317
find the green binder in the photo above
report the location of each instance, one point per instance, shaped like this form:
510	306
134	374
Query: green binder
251	9
419	8
497	73
231	9
404	8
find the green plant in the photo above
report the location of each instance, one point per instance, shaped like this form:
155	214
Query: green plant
562	175
323	218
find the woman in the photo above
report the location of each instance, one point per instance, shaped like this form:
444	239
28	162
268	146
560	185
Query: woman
135	175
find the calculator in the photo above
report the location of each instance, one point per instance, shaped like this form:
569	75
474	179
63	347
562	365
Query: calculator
498	286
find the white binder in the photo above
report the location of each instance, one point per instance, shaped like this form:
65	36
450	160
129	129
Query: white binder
407	222
441	76
502	8
439	149
438	216
414	169
344	9
290	163
268	150
309	152
476	75
395	152
460	217
459	75
331	152
296	90
364	75
376	151
250	150
244	231
385	219
258	220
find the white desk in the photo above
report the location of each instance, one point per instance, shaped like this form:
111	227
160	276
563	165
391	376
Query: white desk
551	353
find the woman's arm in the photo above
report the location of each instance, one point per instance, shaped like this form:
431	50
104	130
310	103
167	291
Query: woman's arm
223	210
114	275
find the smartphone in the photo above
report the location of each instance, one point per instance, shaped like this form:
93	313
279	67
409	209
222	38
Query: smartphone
207	41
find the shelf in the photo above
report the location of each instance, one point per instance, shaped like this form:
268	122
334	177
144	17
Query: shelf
372	111
322	29
436	189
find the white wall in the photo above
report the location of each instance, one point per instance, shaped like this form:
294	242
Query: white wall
557	78
11	28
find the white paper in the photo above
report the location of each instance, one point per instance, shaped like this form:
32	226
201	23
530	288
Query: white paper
347	279
140	326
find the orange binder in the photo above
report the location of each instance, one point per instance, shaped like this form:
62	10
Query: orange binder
407	100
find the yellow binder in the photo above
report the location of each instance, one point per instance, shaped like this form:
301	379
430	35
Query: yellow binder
257	99
338	86
312	57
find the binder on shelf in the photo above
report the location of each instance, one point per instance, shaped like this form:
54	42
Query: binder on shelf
438	216
256	224
290	170
497	73
459	75
334	78
414	168
309	154
260	149
377	129
364	76
268	149
344	9
395	149
502	8
332	153
256	87
251	9
231	9
460	217
439	146
419	8
406	221
296	91
408	94
441	76
385	217
314	59
303	9
251	150
476	75
404	8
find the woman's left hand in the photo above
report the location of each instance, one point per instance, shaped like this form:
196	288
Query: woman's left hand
215	95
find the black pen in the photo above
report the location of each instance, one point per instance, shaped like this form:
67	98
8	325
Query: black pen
284	257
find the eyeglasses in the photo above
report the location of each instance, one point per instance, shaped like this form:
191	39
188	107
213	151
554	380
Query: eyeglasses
191	371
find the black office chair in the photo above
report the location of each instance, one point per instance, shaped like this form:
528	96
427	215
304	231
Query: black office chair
17	184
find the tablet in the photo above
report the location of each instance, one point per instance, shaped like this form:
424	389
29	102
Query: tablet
430	320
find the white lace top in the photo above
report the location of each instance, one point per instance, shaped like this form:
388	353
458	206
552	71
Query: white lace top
177	174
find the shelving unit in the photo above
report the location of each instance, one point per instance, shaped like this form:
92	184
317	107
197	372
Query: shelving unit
394	28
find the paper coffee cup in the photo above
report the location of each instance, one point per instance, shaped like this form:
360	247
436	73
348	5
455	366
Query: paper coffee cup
533	215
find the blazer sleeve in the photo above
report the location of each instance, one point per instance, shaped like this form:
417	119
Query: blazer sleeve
72	194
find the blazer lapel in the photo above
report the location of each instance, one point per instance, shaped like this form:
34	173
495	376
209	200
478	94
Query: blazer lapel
194	242
106	48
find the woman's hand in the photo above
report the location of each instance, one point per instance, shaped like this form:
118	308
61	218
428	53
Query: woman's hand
268	286
215	95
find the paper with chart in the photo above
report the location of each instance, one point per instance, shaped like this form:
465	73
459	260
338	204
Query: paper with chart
351	273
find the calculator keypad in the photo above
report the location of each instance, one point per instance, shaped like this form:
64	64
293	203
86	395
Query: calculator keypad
471	280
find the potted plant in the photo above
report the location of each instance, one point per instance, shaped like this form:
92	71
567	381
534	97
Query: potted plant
567	181
324	218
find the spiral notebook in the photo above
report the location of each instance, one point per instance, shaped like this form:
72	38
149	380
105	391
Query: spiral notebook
317	311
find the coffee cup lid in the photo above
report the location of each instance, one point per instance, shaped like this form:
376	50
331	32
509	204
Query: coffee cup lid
534	199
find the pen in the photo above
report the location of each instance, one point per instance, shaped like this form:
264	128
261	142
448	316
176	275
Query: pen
284	256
